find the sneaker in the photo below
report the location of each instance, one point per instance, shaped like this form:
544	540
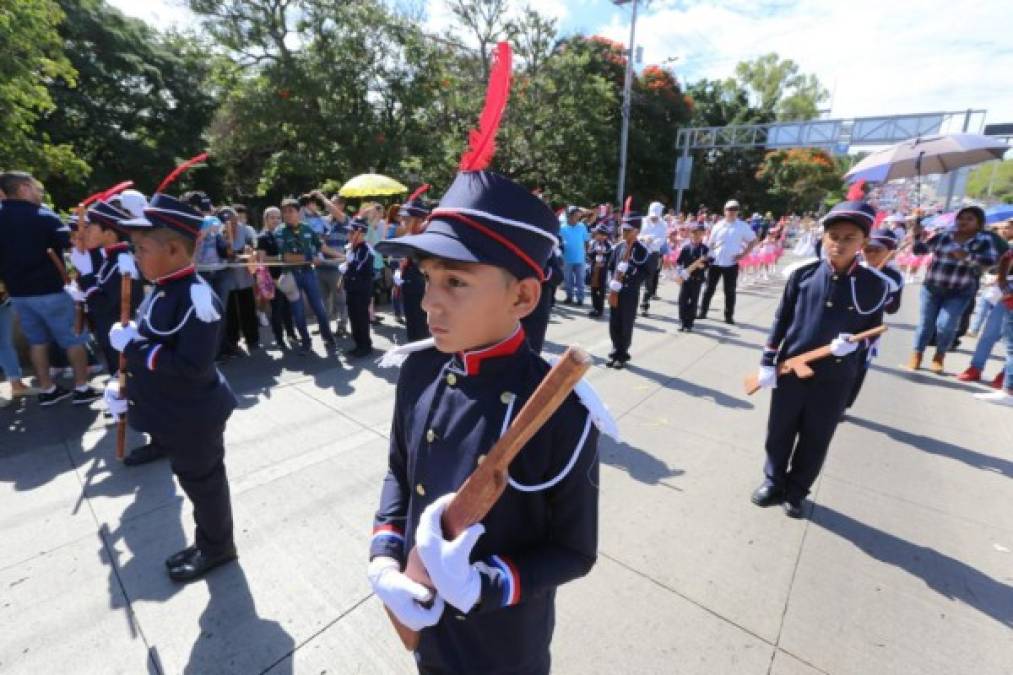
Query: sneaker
972	374
53	397
999	377
85	396
997	397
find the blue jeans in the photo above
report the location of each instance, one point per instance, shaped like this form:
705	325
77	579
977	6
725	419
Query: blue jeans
573	279
48	318
989	335
941	310
306	279
981	311
8	357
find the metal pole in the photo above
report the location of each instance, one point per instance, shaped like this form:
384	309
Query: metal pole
953	174
627	87
680	191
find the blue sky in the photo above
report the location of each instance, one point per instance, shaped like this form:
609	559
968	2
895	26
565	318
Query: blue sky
875	57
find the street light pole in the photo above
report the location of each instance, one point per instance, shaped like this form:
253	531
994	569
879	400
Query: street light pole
627	87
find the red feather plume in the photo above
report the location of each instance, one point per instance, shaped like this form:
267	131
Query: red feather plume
179	170
628	205
482	141
92	198
857	190
418	193
116	189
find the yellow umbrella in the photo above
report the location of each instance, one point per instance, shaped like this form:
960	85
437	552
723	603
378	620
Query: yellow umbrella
371	185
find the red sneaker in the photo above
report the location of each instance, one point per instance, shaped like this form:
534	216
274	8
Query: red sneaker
972	374
999	377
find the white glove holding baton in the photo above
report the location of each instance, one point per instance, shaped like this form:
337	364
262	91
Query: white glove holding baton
449	562
116	406
402	596
622	266
120	336
615	286
74	292
842	345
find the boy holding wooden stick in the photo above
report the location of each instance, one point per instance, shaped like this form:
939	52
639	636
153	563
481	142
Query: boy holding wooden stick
493	610
824	302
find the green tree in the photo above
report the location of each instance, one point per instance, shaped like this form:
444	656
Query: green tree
31	59
798	179
992	181
141	99
778	89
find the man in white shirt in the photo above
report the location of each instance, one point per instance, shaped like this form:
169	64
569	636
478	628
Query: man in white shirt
653	235
730	240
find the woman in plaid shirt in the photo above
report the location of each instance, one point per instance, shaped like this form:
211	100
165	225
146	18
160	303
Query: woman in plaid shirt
958	258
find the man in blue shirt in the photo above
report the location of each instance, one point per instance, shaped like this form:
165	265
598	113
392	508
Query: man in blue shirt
32	242
573	237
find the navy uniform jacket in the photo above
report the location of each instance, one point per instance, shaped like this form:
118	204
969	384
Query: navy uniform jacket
449	411
892	305
819	303
600	248
689	254
413	282
173	385
359	274
102	288
637	271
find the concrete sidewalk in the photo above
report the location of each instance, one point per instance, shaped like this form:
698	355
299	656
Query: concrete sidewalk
905	564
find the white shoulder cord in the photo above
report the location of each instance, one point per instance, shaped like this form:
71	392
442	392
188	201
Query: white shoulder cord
566	469
147	317
882	300
641	261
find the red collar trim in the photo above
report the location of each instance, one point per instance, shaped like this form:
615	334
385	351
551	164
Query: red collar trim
848	272
178	274
473	360
116	248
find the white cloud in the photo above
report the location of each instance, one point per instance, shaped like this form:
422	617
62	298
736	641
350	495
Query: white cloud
159	13
439	18
876	57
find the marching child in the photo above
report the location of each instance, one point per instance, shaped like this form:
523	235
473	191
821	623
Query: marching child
176	393
358	282
483	255
629	270
690	256
598	252
824	302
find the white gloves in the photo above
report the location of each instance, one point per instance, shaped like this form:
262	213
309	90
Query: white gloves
343	267
74	292
842	346
402	596
615	285
120	336
449	562
767	377
397	278
622	266
81	260
599	259
116	406
125	262
683	274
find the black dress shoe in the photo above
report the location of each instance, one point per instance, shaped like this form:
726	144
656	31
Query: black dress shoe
143	455
358	353
619	365
179	557
198	564
793	507
767	495
611	364
730	321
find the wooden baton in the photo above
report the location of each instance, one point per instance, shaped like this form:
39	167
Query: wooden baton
800	364
126	286
484	486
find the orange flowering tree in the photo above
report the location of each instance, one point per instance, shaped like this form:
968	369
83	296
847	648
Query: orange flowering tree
798	179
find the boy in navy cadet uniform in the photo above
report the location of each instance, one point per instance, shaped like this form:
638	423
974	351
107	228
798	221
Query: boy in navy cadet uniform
692	282
536	324
483	255
634	270
176	393
408	276
598	253
882	243
824	302
358	275
111	259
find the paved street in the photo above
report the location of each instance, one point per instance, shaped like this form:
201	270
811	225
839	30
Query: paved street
905	564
